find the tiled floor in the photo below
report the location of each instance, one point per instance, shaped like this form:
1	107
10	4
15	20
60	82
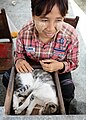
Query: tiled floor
20	13
82	4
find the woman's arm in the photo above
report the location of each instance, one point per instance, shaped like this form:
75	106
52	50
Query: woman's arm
20	62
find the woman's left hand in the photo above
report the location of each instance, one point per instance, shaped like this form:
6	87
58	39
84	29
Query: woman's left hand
51	65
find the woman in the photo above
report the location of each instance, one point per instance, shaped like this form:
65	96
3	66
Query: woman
50	41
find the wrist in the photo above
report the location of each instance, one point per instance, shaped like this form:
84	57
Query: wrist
62	68
18	60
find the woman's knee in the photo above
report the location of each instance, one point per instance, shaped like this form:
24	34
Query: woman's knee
68	88
5	79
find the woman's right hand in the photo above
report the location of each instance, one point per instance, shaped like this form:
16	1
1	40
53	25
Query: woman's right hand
23	66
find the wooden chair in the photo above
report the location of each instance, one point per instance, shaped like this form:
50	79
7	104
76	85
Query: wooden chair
8	100
72	21
5	43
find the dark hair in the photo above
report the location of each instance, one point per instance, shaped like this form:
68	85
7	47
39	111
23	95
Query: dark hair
38	6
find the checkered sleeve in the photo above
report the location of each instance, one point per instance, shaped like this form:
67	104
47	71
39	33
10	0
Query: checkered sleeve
19	52
72	53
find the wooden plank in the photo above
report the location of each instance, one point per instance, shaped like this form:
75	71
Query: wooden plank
9	94
59	93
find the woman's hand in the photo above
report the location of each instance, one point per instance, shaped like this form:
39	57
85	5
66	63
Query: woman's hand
51	65
23	66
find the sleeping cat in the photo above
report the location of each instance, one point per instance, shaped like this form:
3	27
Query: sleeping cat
32	89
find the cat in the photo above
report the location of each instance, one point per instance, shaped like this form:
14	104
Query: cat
32	89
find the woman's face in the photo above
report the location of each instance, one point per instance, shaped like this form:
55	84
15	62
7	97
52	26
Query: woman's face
47	26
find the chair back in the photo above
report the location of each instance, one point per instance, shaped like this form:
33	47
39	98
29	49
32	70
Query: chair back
5	43
72	21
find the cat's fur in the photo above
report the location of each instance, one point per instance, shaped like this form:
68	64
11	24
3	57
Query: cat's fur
32	89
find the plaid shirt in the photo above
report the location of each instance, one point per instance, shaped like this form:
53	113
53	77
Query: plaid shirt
63	48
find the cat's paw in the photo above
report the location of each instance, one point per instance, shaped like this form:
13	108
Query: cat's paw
18	110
